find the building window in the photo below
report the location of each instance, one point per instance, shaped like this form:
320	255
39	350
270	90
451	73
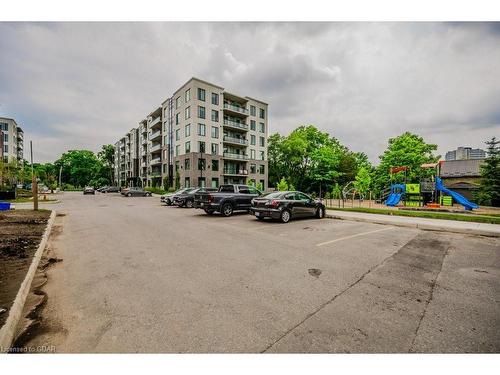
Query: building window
215	98
187	130
177	148
262	142
201	164
201	182
252	125
177	119
252	110
215	149
177	102
263	184
252	140
201	130
215	182
187	95
187	182
6	138
262	155
215	115
177	165
262	113
201	94
187	112
215	165
177	135
201	111
188	147
252	154
253	168
201	146
215	132
262	127
187	164
4	126
261	169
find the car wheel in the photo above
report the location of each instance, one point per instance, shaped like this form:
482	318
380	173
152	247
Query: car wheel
148	194
129	194
260	217
227	209
168	202
189	204
320	213
209	212
285	216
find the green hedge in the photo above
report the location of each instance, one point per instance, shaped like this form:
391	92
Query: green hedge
156	190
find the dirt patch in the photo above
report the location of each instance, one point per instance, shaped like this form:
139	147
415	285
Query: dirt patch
20	234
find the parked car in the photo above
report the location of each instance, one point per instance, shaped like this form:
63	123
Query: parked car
227	199
88	190
186	198
110	189
100	189
136	192
286	205
168	199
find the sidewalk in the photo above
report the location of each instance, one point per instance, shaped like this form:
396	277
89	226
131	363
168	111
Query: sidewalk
490	230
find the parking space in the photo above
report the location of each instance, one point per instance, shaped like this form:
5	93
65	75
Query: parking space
140	276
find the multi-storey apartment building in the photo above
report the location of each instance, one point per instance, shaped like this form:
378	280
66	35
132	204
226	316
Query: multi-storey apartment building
217	136
12	140
465	153
202	135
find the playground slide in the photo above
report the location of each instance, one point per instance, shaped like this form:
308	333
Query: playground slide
393	199
468	205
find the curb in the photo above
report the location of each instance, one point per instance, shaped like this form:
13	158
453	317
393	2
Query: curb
8	331
433	227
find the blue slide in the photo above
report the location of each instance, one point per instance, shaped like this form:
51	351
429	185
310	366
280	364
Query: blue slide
457	197
393	199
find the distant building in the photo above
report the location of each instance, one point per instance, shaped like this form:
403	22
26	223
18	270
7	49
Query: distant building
12	140
462	176
465	153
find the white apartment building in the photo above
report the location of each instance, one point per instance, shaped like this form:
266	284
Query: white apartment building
202	135
12	140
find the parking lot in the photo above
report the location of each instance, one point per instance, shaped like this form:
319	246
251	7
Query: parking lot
138	276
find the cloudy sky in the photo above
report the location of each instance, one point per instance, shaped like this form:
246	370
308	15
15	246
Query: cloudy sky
81	85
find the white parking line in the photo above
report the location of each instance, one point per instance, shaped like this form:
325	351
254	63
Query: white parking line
352	236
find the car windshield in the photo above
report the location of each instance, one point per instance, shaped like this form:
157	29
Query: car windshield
273	195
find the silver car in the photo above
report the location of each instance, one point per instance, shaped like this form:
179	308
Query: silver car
137	192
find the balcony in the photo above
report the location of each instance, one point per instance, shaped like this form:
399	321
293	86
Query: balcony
236	109
155	121
235	172
144	164
235	141
230	155
155	161
235	125
156	147
155	135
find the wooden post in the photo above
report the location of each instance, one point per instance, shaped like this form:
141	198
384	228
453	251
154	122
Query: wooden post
34	184
370	200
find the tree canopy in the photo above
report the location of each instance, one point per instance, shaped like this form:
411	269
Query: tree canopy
489	191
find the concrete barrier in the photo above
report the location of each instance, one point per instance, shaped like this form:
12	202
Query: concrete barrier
8	331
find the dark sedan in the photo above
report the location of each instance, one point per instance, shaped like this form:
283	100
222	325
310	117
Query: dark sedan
136	192
186	198
110	189
286	205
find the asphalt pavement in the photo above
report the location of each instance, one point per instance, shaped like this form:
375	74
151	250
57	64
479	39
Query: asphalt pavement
137	276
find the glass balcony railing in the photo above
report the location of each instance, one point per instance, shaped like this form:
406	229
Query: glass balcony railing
240	172
155	161
234	124
240	141
156	147
155	135
231	155
236	108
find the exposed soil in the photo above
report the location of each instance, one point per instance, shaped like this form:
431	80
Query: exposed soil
20	234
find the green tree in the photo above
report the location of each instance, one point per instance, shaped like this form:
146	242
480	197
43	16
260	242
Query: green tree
177	180
282	185
489	190
259	186
79	167
275	158
336	191
106	156
408	150
363	181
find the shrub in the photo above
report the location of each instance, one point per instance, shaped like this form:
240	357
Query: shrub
155	190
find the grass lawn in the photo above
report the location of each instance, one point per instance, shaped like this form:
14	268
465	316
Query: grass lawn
28	200
425	214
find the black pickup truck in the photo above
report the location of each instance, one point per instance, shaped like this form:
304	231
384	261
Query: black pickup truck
227	199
